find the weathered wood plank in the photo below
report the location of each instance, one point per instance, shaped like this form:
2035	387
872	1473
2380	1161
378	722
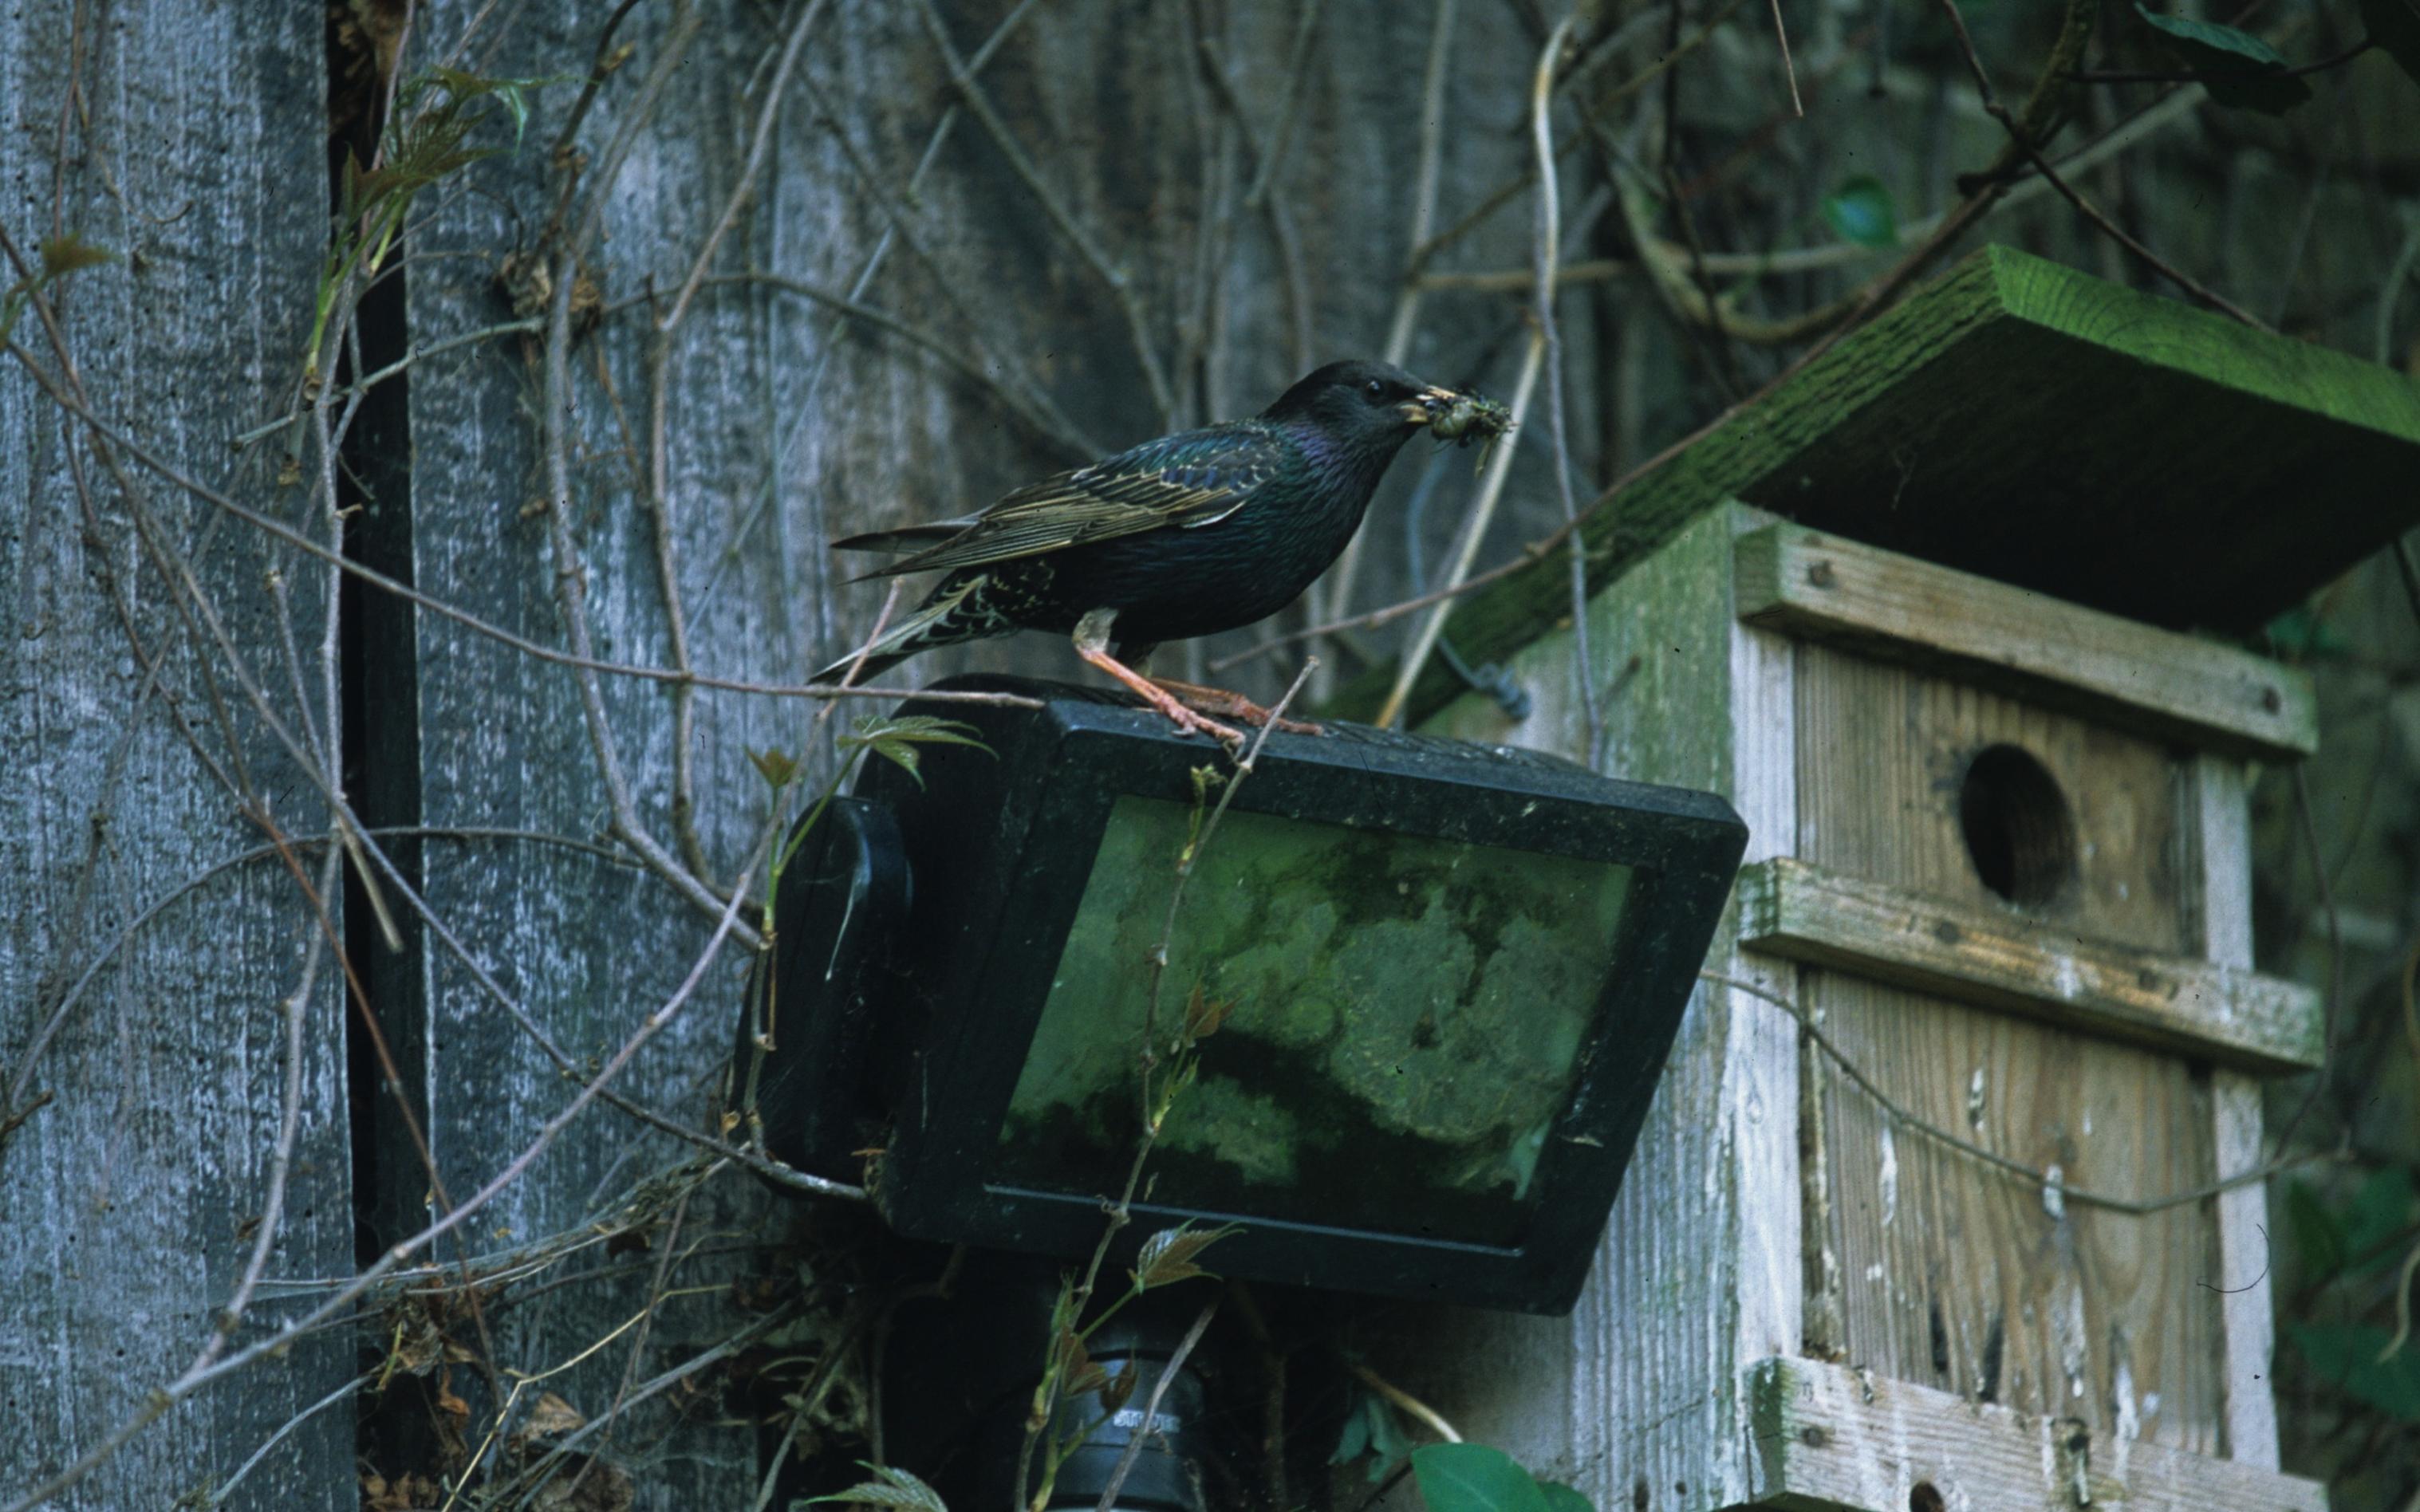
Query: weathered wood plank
1976	1280
1819	586
1790	908
1889	753
1828	1436
785	426
1638	1394
2221	795
1988	423
189	141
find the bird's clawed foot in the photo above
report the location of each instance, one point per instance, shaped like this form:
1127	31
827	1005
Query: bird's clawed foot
1178	715
1233	705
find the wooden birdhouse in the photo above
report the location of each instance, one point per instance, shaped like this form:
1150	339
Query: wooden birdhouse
1953	1193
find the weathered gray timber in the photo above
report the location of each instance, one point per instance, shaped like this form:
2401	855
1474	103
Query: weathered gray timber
188	141
786	423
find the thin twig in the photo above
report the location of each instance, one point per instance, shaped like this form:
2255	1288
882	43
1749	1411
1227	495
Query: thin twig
2223	75
2332	1006
1550	241
154	462
767	116
1782	34
1120	286
1439	1423
1474	529
1121	1212
1166	1379
1405	323
2022	138
1900	1117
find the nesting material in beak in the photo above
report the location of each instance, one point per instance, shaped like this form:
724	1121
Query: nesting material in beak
1424	407
1467	418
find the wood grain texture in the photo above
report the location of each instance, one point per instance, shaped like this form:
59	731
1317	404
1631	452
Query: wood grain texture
1950	1275
2115	671
1995	958
1972	1281
1831	1436
2223	802
1886	751
787	426
1639	1393
1988	423
193	152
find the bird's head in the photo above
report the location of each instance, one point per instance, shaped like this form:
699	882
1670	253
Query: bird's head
1366	404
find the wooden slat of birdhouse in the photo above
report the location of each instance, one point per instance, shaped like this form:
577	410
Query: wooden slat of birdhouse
1949	1273
1817	586
1833	1436
2221	871
1637	1397
1959	1276
1998	958
2089	815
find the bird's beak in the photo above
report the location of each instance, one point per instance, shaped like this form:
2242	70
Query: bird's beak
1428	403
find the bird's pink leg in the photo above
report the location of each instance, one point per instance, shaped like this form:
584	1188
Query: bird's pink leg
1092	644
1233	705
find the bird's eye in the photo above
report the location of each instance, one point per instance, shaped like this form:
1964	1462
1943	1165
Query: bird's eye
1375	387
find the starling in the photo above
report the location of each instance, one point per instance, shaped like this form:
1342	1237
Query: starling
1190	534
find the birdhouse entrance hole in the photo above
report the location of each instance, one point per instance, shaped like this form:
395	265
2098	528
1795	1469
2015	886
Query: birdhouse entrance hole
2019	832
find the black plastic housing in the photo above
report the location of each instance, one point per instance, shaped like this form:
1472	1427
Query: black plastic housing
932	1023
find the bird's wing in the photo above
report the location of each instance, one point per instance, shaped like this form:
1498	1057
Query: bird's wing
1186	481
905	537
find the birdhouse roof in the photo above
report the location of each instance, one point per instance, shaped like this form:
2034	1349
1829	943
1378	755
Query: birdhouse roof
2024	421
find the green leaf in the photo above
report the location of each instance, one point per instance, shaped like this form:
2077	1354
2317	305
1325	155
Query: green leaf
776	769
896	738
1168	1256
1472	1478
2208	36
2240	69
1371	1428
2305	636
2318	1238
2348	1355
1354	1442
1561	1498
2394	26
2375	1217
890	1487
1861	211
1390	1446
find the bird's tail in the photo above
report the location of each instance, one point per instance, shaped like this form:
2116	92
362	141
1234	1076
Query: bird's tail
945	619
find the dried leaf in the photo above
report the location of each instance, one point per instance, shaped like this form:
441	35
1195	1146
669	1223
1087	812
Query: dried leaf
1120	1389
549	1416
1204	1014
63	254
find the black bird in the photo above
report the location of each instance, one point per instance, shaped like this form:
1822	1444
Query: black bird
1193	534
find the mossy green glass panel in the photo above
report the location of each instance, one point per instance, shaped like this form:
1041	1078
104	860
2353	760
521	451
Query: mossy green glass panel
1407	1019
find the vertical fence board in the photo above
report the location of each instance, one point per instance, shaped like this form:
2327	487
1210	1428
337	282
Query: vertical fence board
784	425
192	152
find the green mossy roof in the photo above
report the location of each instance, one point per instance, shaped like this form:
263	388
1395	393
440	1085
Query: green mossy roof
2022	419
